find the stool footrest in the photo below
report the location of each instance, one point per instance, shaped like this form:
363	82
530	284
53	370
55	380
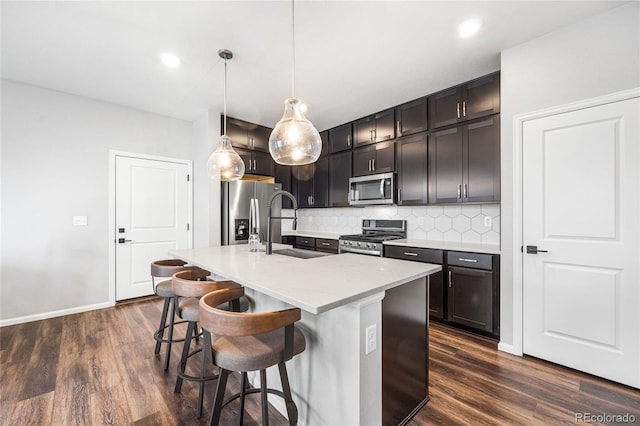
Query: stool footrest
159	334
182	366
254	390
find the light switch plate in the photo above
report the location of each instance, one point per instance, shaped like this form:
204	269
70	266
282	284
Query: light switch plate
79	221
488	221
371	338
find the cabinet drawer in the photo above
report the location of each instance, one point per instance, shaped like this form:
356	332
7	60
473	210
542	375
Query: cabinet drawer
306	242
413	253
325	244
470	260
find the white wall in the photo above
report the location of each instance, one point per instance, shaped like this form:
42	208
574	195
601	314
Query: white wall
54	165
598	56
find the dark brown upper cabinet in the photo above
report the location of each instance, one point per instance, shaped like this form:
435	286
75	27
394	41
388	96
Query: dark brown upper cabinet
324	136
412	166
464	163
310	183
339	174
411	117
247	135
340	138
256	162
373	159
283	177
475	99
377	127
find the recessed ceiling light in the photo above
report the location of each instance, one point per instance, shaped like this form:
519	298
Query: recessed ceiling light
170	60
469	27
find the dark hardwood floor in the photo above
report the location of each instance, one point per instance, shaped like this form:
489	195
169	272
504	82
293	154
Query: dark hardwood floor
99	368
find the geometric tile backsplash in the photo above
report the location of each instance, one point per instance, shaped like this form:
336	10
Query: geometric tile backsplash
456	223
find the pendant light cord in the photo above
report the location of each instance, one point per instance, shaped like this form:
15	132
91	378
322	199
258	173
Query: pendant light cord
293	51
224	98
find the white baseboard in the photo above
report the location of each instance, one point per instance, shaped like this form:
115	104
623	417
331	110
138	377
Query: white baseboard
53	314
509	348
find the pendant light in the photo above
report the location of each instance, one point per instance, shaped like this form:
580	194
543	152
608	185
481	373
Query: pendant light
294	141
225	163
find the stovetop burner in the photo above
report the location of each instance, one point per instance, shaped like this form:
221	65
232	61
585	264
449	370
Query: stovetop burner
370	237
375	232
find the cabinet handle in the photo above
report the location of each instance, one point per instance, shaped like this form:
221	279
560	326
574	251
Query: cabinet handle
464	108
464	191
398	127
459	189
348	140
312	200
465	259
373	165
325	244
254	165
375	134
458	109
408	253
399	195
450	283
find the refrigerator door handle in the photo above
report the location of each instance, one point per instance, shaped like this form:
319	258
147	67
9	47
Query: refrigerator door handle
257	215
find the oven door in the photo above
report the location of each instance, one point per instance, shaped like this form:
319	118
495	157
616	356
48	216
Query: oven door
372	189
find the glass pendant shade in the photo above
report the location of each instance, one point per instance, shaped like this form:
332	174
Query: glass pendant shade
225	163
294	141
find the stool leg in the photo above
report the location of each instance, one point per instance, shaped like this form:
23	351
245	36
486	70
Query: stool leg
263	395
219	398
292	410
203	367
163	322
243	388
167	355
185	355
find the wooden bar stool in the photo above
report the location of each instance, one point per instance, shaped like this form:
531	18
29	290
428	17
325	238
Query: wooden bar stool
249	342
165	269
189	286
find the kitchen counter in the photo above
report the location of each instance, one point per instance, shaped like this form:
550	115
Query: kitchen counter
311	234
447	245
314	285
346	300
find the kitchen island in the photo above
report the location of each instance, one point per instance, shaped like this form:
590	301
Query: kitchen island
358	313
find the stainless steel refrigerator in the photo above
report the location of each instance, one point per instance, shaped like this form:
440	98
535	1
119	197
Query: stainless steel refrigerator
244	210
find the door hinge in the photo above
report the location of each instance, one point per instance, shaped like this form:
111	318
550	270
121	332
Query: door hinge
188	178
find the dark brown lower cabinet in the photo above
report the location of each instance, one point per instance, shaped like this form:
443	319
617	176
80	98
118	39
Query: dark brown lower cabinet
473	291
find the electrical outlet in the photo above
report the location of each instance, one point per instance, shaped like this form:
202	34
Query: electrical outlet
371	338
487	221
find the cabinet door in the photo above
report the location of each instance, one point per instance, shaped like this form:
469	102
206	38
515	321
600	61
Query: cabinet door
445	108
283	177
238	132
413	188
324	137
411	117
481	161
445	166
384	127
470	298
340	138
436	295
263	164
302	182
384	157
339	174
362	160
321	183
247	159
363	131
481	97
259	136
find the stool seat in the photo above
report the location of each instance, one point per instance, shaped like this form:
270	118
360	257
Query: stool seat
252	353
164	289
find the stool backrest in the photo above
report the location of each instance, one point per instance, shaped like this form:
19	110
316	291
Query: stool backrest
167	267
193	283
225	323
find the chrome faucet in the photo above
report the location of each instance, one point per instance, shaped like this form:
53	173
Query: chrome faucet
269	217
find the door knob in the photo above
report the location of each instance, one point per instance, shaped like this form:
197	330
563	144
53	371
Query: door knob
122	241
534	250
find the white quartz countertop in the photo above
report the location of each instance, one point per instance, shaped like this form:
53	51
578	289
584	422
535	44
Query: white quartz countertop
315	285
447	245
311	234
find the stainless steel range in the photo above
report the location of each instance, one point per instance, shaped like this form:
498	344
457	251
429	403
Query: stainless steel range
374	233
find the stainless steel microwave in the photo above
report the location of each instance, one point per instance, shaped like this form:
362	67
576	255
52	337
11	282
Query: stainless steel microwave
372	189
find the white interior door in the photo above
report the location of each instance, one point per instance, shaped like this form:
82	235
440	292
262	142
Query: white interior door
581	191
153	216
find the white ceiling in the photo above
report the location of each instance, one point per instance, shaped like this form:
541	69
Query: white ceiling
353	58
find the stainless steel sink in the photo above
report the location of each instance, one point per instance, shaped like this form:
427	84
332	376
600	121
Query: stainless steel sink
300	253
